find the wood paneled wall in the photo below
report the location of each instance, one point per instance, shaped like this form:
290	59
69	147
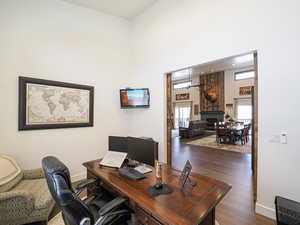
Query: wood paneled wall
212	87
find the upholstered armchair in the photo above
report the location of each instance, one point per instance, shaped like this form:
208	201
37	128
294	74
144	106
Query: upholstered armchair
24	195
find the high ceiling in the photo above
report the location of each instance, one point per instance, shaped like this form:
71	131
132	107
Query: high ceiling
236	62
120	8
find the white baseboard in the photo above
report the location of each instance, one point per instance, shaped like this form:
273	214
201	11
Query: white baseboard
265	211
78	176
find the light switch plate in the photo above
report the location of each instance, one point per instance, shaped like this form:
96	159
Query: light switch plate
283	138
275	139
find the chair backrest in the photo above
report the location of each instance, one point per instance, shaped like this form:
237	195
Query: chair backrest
222	131
60	186
247	128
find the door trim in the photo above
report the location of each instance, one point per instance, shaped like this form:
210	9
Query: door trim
170	118
255	129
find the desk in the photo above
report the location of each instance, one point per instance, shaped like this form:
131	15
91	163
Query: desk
191	206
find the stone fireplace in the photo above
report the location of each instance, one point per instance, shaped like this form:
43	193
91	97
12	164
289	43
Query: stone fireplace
212	117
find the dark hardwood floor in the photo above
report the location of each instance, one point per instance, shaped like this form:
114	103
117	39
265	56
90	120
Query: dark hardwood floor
237	208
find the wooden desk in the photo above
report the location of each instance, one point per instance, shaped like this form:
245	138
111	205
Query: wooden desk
191	206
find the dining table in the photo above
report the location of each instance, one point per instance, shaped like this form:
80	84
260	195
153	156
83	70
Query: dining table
233	130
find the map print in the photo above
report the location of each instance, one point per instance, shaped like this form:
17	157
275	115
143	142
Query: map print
52	105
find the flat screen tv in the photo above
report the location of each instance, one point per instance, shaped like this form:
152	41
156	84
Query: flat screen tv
135	98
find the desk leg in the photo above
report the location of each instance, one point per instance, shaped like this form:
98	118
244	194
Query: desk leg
210	218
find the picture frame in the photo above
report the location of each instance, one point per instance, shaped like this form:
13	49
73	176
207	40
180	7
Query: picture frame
246	90
47	104
181	97
185	173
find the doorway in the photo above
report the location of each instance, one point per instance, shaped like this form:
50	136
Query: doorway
240	105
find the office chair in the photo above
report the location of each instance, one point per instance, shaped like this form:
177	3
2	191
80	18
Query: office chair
99	209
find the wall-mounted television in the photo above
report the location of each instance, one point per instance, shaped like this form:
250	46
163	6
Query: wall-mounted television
135	98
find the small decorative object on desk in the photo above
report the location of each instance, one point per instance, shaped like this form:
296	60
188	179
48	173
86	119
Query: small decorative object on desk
158	172
185	174
159	188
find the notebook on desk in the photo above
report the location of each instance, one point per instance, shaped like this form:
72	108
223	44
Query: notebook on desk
143	169
113	159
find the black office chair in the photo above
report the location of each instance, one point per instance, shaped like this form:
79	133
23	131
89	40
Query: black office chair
99	209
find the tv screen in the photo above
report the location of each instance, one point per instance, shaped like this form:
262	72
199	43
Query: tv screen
135	98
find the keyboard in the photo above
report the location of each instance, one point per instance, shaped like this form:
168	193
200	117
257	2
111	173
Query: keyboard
131	173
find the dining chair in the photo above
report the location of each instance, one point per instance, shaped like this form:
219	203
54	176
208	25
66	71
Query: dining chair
223	135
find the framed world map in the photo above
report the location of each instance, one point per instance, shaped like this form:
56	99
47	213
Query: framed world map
45	104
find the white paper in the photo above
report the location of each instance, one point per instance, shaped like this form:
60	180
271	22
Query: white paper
143	169
113	159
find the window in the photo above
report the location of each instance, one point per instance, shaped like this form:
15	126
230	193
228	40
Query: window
183	85
182	74
182	114
244	112
244	75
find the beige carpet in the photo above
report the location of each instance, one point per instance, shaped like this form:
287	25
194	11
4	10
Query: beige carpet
210	141
57	220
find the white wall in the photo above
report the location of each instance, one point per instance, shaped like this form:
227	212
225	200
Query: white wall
177	34
194	95
194	99
232	89
54	40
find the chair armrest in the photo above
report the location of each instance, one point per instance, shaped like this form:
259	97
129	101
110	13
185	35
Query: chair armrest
102	219
16	204
33	174
85	184
111	205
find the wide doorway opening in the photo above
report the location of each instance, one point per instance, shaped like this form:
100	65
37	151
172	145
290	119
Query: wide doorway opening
212	121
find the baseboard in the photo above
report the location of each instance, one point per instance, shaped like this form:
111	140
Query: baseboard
78	176
265	211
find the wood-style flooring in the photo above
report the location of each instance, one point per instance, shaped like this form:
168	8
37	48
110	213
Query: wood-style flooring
231	167
237	208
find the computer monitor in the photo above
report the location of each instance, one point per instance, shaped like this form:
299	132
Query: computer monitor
117	144
142	150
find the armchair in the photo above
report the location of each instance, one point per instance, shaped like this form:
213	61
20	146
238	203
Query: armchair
24	196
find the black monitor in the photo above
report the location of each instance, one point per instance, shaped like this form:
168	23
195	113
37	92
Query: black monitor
142	150
117	144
